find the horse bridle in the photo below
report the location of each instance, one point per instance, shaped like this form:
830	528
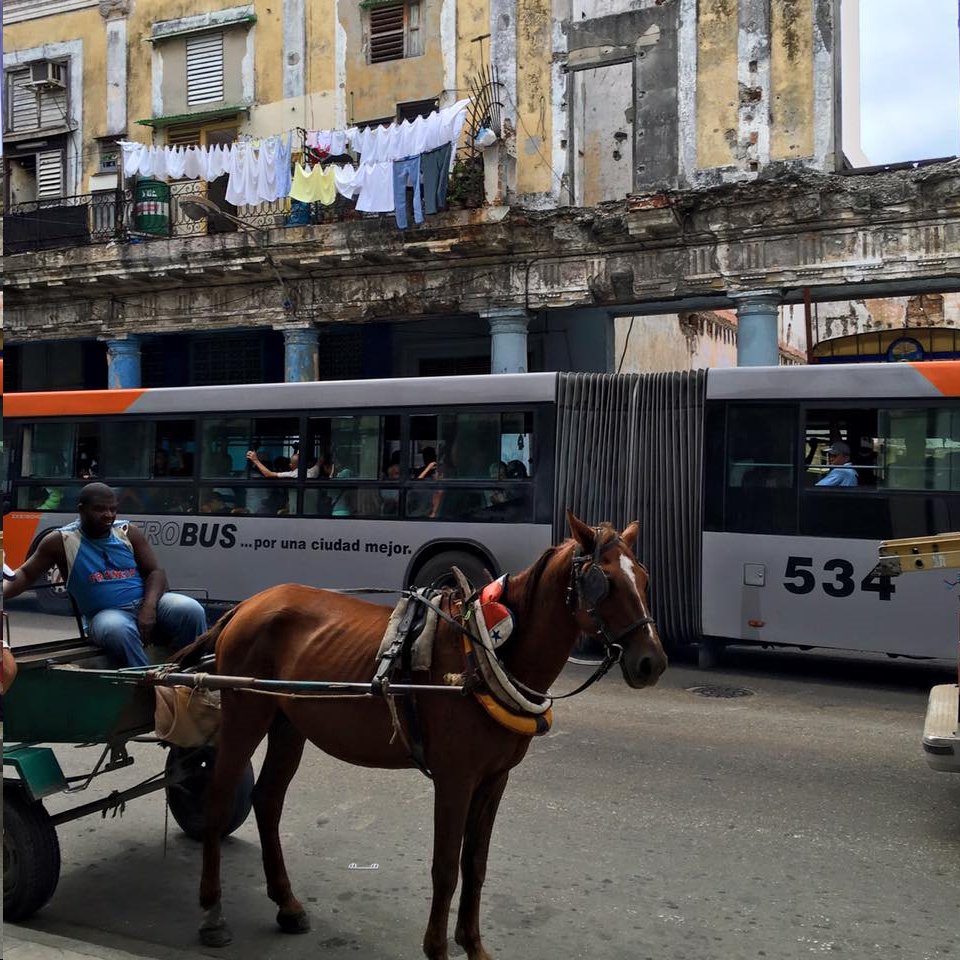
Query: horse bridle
588	588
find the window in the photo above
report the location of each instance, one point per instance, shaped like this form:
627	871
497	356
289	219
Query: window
416	108
919	449
109	156
205	69
469	451
34	103
759	491
395	31
226	442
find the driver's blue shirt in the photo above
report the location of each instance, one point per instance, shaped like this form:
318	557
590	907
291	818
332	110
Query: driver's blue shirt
842	476
102	573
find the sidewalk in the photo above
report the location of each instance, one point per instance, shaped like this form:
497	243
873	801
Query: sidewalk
21	943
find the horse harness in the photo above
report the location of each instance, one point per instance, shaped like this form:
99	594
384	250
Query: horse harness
505	698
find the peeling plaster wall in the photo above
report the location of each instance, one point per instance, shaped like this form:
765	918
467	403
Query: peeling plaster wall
666	342
534	97
791	68
842	318
717	92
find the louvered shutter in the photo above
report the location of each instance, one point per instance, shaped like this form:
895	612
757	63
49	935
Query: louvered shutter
205	68
386	33
53	108
49	174
187	135
414	31
22	102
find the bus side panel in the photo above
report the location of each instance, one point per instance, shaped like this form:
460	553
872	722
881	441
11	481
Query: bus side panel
234	557
821	592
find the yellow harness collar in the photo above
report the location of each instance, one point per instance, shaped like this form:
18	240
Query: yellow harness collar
524	724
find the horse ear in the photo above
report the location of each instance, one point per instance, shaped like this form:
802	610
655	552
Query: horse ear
583	534
630	536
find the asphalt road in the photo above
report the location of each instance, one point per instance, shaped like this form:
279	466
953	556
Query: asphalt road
797	821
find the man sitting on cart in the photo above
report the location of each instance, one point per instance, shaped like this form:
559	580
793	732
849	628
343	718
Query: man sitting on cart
112	575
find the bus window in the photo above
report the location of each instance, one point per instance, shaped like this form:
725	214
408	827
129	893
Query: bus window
275	500
354	447
48	450
148	499
226	442
921	449
760	493
857	429
48	497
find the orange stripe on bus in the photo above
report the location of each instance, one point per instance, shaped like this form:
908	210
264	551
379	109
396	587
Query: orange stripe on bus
19	529
943	374
69	402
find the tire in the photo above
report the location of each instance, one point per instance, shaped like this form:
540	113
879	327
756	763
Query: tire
437	571
52	594
188	798
31	855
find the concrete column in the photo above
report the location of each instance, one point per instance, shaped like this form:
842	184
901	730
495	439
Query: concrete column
301	362
508	339
758	329
123	364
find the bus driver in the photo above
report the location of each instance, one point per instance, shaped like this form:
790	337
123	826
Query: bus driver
112	574
841	472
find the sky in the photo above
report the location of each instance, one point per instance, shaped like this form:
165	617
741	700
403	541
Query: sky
909	79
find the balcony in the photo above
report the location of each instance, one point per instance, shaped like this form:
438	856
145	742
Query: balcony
158	211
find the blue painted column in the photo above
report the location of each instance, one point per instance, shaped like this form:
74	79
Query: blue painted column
508	339
123	364
758	328
301	362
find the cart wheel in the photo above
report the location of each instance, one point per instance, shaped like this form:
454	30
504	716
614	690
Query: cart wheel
31	855
188	798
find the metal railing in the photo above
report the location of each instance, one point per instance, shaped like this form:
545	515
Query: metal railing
184	209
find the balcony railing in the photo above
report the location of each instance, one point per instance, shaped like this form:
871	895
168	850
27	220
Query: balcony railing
183	209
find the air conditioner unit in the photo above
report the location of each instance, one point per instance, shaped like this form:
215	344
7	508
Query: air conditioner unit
47	74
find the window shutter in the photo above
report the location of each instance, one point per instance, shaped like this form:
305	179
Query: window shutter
49	174
187	135
205	68
386	33
23	105
53	108
414	31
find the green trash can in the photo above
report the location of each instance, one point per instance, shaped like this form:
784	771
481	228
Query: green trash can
151	207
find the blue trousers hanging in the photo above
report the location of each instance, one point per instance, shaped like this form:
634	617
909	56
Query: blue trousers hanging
435	166
406	173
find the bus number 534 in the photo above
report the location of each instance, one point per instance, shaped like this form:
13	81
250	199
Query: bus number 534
837	579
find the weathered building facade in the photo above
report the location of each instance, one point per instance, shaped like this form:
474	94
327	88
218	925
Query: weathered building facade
653	156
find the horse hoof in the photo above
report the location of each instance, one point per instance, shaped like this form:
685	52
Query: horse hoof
216	935
294	922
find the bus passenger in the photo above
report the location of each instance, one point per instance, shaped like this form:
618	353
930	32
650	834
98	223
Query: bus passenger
112	575
842	473
313	467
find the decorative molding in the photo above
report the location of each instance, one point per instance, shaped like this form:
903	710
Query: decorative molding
112	9
15	11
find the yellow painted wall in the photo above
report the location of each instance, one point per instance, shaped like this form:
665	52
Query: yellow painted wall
717	90
473	20
88	26
534	96
791	79
374	89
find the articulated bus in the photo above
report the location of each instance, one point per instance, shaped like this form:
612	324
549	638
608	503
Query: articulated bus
399	479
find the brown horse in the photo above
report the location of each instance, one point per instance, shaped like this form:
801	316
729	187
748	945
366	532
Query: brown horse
590	584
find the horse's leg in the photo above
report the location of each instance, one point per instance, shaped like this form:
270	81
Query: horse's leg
284	750
243	725
476	846
450	805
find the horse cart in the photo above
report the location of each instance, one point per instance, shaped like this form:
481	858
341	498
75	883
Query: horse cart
66	695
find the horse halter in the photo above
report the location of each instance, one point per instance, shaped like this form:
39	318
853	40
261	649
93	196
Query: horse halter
589	586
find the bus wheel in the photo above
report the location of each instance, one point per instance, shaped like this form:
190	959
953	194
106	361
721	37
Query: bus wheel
437	571
52	594
31	855
189	770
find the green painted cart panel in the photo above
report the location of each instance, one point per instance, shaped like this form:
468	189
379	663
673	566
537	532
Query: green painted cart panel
38	770
55	705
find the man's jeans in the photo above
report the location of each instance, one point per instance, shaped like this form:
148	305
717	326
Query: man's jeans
180	620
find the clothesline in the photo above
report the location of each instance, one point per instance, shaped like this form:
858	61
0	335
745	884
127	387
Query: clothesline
391	158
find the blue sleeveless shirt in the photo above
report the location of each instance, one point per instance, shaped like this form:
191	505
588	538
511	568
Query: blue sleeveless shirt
102	573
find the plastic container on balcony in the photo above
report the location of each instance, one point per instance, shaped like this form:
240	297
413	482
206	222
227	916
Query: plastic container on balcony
151	208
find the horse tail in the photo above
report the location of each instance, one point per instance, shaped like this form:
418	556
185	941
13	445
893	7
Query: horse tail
190	655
